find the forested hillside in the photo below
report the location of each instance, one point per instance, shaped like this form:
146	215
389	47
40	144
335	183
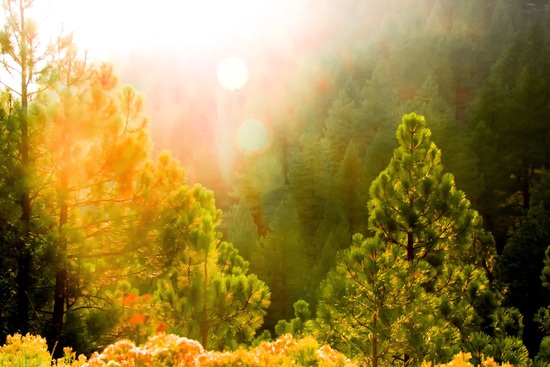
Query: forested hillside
399	211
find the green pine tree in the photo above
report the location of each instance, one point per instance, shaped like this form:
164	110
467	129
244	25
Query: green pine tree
282	262
204	292
424	228
351	190
243	231
310	183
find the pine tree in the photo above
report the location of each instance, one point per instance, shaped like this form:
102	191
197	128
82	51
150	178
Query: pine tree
340	125
448	135
378	109
520	264
282	262
32	67
91	125
204	292
351	190
420	219
513	104
373	300
310	183
243	232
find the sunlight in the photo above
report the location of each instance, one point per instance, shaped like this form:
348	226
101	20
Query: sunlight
116	26
232	73
252	136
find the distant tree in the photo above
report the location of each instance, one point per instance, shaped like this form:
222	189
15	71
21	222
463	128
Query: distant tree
378	109
282	262
310	183
513	106
243	231
521	263
450	136
340	126
351	191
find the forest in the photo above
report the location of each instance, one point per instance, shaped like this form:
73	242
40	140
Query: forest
398	213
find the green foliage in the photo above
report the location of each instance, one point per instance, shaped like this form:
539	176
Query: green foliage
509	349
419	286
243	231
310	179
205	292
282	261
350	190
514	108
373	303
296	326
520	266
340	125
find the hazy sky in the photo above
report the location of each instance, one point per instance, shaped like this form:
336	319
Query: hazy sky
107	27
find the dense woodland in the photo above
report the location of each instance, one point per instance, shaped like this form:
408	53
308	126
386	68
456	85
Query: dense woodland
401	212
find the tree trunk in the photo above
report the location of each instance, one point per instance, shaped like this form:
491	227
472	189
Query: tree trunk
204	321
24	258
60	291
374	352
410	246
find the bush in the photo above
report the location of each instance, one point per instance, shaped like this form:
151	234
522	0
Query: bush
32	351
463	360
164	350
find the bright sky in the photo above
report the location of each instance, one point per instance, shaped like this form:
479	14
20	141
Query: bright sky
116	26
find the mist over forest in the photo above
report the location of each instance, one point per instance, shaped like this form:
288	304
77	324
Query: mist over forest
311	182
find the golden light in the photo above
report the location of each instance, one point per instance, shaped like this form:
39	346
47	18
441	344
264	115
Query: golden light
117	26
252	136
232	73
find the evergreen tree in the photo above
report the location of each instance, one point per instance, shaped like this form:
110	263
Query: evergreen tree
243	232
520	264
421	219
204	292
351	190
342	119
448	134
513	104
377	109
261	183
32	67
282	262
310	184
373	303
91	125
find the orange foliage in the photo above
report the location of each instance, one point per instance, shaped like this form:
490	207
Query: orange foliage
161	327
171	350
136	319
462	360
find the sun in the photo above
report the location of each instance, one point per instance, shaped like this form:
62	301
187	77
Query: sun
117	26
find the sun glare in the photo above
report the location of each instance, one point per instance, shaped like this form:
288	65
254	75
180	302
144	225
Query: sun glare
116	26
232	73
252	136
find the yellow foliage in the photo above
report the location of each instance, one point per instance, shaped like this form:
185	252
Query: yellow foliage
462	360
32	351
163	350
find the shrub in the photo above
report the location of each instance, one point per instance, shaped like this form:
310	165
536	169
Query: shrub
164	350
32	351
463	360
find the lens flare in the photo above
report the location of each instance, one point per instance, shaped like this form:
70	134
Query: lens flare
232	73
252	136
